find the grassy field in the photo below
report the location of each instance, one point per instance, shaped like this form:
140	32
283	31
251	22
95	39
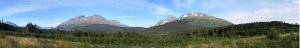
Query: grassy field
286	40
29	42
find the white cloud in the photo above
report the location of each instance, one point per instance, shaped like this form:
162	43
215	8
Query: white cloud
183	3
51	24
28	6
160	10
22	8
163	11
285	11
128	17
17	9
125	18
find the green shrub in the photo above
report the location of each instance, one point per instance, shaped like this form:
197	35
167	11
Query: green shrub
31	27
273	35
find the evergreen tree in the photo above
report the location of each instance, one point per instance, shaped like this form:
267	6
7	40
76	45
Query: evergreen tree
31	28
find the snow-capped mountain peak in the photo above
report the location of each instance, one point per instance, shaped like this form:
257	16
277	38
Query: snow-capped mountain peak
166	20
192	15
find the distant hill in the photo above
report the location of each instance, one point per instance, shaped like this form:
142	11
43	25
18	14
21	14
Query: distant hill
11	23
7	27
191	21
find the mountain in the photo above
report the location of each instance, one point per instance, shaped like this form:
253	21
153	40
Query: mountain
166	20
191	21
99	27
136	28
93	21
105	27
11	23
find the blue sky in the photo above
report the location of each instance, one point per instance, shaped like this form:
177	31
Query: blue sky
145	13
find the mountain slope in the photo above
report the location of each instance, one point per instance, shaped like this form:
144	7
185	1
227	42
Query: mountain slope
99	27
11	23
166	20
7	27
191	21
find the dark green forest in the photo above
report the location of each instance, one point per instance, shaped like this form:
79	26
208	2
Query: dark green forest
226	36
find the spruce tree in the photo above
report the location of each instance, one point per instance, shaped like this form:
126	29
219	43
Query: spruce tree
31	28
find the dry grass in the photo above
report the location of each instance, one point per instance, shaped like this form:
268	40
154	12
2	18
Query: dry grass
9	41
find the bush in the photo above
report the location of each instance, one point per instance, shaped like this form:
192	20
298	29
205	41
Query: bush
273	35
31	28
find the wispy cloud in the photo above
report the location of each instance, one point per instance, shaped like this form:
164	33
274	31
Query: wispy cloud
160	10
282	10
183	3
125	18
18	9
50	24
268	14
25	7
